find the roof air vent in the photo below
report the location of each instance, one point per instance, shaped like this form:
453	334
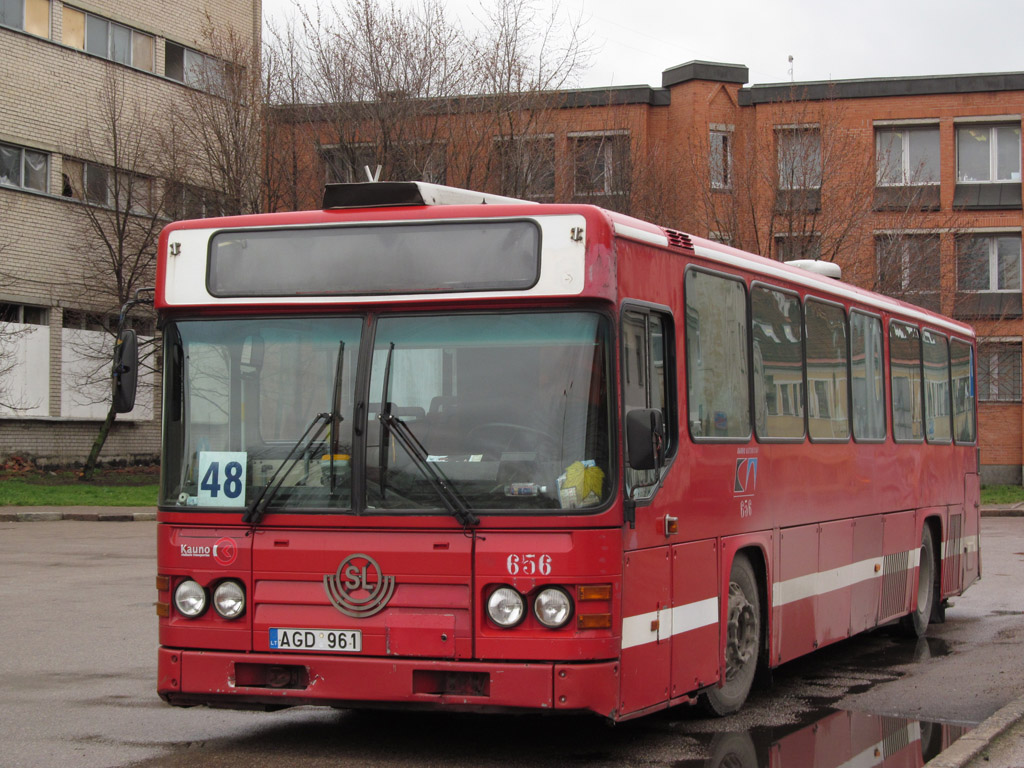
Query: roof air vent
818	267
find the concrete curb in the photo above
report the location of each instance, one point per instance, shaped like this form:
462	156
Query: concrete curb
969	746
88	514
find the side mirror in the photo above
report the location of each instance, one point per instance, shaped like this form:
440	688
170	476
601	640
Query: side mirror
125	371
645	438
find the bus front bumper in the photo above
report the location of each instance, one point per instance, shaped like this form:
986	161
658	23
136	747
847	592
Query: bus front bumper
274	681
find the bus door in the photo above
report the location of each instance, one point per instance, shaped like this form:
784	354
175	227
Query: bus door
670	587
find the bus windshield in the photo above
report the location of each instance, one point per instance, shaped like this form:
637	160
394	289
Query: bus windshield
511	410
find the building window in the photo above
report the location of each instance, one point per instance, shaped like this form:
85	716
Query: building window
907	156
798	156
409	161
107	39
187	201
999	372
24	314
795	247
907	264
720	159
989	263
988	153
601	164
526	166
101	185
32	16
25	168
193	68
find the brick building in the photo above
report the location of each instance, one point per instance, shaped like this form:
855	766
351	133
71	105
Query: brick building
59	63
912	185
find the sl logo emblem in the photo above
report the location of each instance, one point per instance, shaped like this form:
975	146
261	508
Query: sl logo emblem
359	588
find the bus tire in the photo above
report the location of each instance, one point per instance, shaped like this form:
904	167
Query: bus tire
915	624
742	643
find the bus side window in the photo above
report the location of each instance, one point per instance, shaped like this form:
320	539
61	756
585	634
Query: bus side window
827	371
777	333
868	377
718	386
961	361
905	372
647	383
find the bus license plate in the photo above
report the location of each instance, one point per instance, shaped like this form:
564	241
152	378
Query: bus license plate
339	640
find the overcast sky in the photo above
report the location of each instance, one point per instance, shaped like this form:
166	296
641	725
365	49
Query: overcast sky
635	40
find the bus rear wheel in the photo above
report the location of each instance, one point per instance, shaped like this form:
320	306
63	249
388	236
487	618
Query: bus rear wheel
916	623
742	644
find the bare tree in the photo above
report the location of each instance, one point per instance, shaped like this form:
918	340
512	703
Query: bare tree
423	98
116	180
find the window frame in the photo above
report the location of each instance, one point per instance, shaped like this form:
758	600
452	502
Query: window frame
747	378
972	389
898	246
669	377
992	239
882	362
848	405
22	160
761	285
908	178
720	162
24	26
990	350
920	382
791	180
207	64
110	25
929	402
538	150
615	171
993	152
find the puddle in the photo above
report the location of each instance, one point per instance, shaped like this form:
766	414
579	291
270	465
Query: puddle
837	738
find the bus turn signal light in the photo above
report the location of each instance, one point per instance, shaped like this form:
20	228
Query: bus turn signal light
594	592
163	583
594	621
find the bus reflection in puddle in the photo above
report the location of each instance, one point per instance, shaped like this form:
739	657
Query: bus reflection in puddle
839	739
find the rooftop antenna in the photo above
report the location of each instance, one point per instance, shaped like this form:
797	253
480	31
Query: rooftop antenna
791	68
371	177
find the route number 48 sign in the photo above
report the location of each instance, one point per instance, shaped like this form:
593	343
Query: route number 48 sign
222	478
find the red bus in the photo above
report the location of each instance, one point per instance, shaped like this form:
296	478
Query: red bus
430	447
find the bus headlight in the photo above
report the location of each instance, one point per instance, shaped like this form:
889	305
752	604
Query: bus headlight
505	607
190	599
229	599
553	607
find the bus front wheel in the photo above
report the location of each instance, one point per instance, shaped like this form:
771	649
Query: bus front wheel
742	644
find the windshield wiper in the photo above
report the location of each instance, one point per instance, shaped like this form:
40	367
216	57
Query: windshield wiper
450	497
259	504
452	500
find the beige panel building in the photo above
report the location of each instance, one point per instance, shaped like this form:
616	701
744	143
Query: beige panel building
63	68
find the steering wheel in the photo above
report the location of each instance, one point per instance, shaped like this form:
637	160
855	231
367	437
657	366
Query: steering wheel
489	436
